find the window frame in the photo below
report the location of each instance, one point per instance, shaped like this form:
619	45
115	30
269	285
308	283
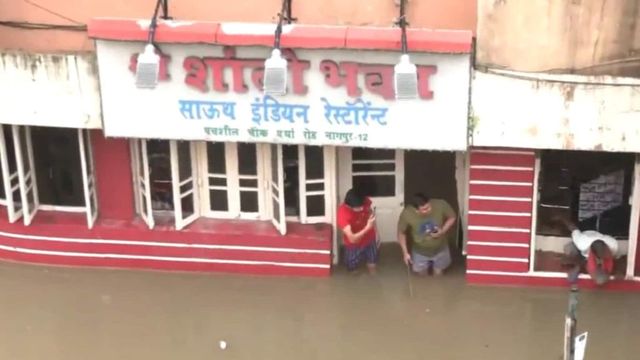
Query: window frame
178	183
14	212
232	187
269	186
27	183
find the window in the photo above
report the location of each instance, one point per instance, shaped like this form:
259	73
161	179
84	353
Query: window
165	180
46	168
305	182
592	190
374	171
231	180
10	182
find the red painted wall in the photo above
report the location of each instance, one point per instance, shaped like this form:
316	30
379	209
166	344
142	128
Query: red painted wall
493	176
113	177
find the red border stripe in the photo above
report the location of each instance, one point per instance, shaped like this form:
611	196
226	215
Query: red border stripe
478	158
498	251
494	265
499	236
295	36
501	190
497	205
523	222
501	175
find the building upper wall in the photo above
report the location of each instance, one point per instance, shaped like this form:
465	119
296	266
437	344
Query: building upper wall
590	37
451	14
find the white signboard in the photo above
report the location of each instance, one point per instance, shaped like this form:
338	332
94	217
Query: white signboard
335	97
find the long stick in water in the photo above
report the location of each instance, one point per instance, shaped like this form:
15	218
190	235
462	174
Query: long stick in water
409	281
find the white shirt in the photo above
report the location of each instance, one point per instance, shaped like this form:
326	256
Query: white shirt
584	239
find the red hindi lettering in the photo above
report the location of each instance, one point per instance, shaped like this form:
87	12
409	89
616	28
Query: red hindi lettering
196	73
338	75
378	79
298	67
424	75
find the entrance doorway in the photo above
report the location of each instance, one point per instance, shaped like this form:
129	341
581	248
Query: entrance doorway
379	174
390	177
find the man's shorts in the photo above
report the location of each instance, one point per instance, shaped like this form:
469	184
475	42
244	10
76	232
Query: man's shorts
353	256
439	261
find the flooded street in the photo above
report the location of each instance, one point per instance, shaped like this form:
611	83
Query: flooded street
58	313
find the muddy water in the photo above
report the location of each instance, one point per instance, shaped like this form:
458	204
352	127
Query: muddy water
54	313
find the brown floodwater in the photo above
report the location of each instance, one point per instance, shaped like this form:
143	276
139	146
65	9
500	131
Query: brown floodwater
60	313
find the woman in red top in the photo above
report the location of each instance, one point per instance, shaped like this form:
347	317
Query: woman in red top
357	222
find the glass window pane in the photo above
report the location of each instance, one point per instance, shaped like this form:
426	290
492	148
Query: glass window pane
248	201
216	158
373	154
315	205
274	164
86	138
314	162
187	206
376	185
315	187
186	187
247	159
216	181
249	183
160	174
56	155
374	167
276	210
219	200
184	160
22	131
11	150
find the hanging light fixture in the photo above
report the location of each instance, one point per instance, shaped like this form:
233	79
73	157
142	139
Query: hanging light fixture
405	72
275	67
148	65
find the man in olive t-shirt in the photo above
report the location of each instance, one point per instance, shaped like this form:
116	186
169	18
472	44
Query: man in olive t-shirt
428	221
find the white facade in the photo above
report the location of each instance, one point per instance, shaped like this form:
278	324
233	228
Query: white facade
50	90
565	112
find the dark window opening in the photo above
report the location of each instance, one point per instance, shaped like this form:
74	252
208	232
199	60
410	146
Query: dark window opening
56	156
291	180
159	156
591	190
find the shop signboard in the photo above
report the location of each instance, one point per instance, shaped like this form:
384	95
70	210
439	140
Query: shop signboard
335	97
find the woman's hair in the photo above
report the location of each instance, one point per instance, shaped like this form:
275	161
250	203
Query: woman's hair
353	199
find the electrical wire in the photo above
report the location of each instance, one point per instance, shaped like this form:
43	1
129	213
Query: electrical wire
281	16
402	23
553	81
52	12
42	26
